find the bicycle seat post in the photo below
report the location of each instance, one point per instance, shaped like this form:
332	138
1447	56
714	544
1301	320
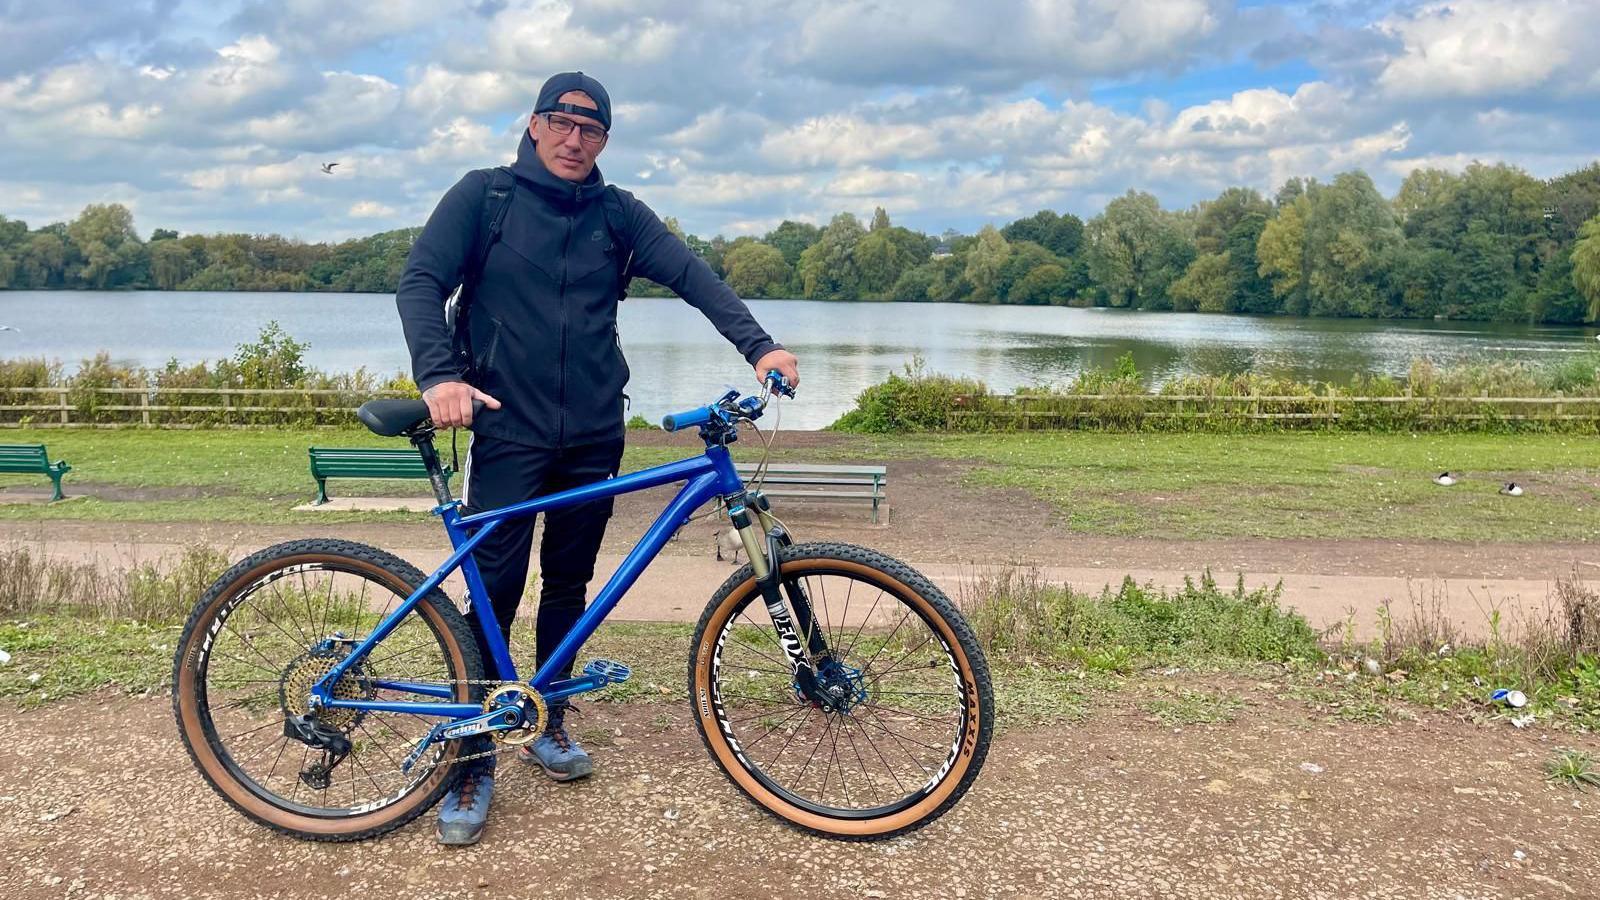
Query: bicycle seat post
422	439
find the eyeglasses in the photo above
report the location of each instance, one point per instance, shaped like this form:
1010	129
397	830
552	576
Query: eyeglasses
593	135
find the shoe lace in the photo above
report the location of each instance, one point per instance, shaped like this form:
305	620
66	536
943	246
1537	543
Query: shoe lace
465	791
558	734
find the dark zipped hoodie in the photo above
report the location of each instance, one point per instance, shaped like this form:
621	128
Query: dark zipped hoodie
544	314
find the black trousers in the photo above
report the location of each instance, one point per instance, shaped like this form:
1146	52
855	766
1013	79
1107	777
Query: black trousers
499	473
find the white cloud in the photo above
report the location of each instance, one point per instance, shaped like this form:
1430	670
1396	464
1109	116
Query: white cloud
370	209
734	115
1474	48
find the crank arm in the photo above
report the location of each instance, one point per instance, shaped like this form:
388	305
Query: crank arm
502	719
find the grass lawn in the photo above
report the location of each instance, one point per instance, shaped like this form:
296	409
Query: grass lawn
1326	485
1291	485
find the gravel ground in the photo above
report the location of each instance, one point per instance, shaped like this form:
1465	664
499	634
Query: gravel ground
1281	802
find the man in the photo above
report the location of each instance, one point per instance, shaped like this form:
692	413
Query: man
547	363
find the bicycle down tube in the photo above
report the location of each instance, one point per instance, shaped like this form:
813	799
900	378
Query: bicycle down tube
708	476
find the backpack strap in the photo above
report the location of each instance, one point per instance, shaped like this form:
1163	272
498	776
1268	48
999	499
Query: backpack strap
496	201
617	223
497	194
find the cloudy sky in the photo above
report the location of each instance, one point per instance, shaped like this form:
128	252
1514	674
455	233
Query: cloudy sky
735	115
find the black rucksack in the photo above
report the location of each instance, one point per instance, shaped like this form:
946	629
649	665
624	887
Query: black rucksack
497	194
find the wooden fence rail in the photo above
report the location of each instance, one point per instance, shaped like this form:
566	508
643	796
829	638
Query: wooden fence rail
109	407
1029	411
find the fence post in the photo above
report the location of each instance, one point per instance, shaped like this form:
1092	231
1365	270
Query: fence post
1333	412
1561	408
1255	403
144	408
63	407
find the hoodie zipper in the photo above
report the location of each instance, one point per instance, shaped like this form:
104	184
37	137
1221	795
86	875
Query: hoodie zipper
566	247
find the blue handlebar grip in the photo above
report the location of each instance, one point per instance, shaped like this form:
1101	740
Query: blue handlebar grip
689	419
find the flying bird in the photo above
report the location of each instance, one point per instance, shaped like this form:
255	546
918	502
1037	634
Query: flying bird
1512	489
1445	479
9	328
327	168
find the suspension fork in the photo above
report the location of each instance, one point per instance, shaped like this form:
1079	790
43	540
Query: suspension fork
801	639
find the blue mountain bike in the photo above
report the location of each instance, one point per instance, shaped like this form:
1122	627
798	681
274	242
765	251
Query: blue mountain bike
327	689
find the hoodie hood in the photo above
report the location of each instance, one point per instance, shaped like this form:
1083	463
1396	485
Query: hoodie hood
531	170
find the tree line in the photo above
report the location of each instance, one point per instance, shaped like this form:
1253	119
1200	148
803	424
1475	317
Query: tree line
1491	242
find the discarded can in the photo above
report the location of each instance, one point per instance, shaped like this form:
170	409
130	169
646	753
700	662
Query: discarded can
1513	699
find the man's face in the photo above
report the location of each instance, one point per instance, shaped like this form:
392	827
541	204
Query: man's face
571	155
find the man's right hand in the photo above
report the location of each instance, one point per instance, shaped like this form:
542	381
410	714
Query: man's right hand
450	403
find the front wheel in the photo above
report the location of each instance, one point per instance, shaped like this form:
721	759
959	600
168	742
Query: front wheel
897	723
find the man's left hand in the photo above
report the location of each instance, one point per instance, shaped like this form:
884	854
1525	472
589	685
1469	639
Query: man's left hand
782	360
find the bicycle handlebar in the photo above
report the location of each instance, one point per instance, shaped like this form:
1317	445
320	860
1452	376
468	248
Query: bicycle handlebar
728	407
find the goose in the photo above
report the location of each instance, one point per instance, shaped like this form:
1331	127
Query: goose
1445	479
1512	489
327	168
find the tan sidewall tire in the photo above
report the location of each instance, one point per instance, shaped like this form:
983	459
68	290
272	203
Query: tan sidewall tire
205	756
918	814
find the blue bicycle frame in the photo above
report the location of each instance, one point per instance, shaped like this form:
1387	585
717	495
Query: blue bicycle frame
708	476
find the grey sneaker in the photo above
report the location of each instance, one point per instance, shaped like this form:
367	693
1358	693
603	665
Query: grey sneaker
557	753
465	807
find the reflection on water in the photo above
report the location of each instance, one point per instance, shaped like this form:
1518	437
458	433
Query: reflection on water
678	360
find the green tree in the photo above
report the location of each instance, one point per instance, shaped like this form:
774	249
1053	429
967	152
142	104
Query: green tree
1046	285
881	259
756	269
1251	292
43	261
1061	235
1281	254
1572	199
1025	256
113	255
1350	228
171	264
985	264
1586	265
1218	217
1206	286
1135	251
828	267
880	219
792	239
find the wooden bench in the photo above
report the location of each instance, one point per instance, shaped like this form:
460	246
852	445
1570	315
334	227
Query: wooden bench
866	484
363	462
30	459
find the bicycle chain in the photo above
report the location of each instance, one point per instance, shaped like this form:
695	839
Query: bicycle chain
445	682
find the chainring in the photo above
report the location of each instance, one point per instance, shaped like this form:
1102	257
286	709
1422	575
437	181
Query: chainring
534	712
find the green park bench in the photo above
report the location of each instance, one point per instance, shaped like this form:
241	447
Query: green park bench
31	459
863	484
363	462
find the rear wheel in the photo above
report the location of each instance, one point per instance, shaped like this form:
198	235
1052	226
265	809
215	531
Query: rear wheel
898	725
270	628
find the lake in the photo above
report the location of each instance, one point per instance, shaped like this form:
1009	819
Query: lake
679	361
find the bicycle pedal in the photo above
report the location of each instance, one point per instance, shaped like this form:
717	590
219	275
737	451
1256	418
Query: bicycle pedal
613	672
